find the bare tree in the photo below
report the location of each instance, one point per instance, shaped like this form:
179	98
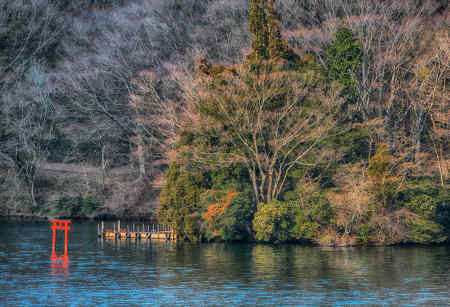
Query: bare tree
270	123
429	102
156	120
28	114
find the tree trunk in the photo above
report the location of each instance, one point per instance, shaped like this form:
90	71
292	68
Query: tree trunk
141	157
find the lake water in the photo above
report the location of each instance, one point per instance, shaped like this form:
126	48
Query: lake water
103	272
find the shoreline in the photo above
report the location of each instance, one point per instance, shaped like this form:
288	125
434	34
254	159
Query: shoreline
30	218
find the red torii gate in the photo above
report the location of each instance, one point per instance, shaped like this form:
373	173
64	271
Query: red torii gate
60	224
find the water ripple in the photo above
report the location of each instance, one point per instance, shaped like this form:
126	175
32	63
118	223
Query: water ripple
153	274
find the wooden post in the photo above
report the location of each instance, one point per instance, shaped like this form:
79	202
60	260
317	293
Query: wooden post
65	239
54	240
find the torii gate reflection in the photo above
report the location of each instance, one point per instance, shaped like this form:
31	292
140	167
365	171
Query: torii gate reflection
60	261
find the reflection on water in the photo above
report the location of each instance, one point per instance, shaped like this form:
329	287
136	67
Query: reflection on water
159	273
59	264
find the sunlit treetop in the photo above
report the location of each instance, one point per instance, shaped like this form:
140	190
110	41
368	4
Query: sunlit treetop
268	43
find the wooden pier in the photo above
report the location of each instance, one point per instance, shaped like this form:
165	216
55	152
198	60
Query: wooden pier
137	232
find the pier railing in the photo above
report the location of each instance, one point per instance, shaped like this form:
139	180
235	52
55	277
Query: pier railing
137	231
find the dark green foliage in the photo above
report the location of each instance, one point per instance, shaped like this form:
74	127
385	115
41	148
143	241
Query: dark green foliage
232	178
31	30
186	138
344	58
424	205
386	184
443	209
59	147
191	228
80	5
352	146
268	44
90	150
429	200
381	163
115	151
259	29
313	212
424	231
365	232
187	196
180	202
78	206
278	47
323	173
237	221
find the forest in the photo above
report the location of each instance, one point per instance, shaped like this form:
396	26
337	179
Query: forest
311	121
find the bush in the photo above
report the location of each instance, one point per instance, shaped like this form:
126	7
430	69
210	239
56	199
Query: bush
424	231
423	204
305	228
180	202
227	215
78	206
312	212
273	221
353	145
365	232
429	200
237	221
385	183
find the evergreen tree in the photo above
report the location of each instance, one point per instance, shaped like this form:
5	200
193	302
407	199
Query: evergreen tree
278	47
268	44
258	27
344	61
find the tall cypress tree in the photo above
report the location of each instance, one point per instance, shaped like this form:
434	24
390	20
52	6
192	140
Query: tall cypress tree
259	29
345	59
268	44
275	39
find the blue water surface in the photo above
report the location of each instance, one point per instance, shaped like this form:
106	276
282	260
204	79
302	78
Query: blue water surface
140	273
